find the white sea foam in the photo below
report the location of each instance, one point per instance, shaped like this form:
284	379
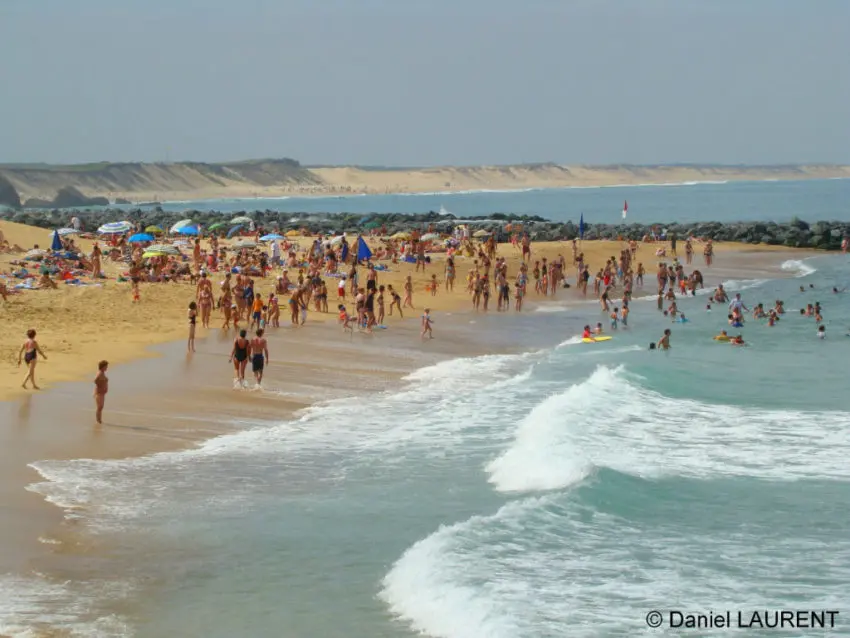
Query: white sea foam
798	266
550	308
569	433
439	408
31	606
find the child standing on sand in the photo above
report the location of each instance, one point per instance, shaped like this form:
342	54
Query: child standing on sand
193	318
101	387
426	324
29	353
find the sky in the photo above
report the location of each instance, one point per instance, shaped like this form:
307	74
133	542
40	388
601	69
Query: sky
426	82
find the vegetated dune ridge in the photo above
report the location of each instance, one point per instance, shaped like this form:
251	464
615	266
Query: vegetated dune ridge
141	182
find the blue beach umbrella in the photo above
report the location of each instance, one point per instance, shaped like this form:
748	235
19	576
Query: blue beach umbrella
57	243
234	230
581	227
363	251
140	237
271	237
188	230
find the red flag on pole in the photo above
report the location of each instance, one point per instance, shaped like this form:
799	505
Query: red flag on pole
625	208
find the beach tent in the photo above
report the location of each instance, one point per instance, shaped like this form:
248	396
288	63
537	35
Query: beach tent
271	237
293	233
115	228
363	252
241	220
153	230
234	230
56	245
140	237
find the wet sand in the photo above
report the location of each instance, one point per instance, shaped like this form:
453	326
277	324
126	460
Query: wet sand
178	400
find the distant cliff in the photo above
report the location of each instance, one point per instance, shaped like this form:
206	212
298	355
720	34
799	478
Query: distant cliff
140	182
8	194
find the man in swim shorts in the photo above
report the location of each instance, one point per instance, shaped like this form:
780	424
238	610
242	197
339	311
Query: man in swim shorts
259	355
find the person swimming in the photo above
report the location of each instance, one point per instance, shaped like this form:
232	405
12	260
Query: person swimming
821	332
722	336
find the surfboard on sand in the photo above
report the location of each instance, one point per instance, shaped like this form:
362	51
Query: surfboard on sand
595	339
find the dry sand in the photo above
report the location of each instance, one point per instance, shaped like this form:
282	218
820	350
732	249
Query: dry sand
268	178
78	326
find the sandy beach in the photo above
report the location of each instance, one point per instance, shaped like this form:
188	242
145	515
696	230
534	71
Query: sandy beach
163	398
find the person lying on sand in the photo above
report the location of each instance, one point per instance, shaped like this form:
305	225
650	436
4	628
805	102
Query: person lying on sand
46	282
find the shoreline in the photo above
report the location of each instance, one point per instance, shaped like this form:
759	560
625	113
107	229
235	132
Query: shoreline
191	409
197	181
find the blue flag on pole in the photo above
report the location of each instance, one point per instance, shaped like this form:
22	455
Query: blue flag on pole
363	252
344	255
581	227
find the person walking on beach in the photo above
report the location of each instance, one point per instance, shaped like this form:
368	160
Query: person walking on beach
426	324
239	356
259	356
29	353
101	387
193	319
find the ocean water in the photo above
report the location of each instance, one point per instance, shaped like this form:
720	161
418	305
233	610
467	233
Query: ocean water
812	200
567	490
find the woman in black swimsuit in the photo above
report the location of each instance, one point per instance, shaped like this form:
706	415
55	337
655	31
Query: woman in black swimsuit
29	353
239	355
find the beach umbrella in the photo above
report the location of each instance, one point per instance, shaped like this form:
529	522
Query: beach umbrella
430	236
188	230
153	230
154	253
67	231
372	225
35	253
481	233
337	240
271	237
181	224
293	233
401	236
56	245
163	248
363	251
217	225
140	237
241	220
234	230
247	243
115	228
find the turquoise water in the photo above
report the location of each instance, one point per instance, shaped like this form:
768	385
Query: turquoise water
565	491
812	200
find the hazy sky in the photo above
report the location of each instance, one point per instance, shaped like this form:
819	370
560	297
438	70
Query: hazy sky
419	82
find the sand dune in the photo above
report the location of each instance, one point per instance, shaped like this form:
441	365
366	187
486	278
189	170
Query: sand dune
140	182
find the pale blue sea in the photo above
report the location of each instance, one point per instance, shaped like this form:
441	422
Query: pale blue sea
567	489
811	200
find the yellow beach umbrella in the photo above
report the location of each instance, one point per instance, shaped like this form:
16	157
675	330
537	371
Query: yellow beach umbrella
401	236
293	233
154	253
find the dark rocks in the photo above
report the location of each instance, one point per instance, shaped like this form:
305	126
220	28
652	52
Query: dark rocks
67	197
826	235
8	194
